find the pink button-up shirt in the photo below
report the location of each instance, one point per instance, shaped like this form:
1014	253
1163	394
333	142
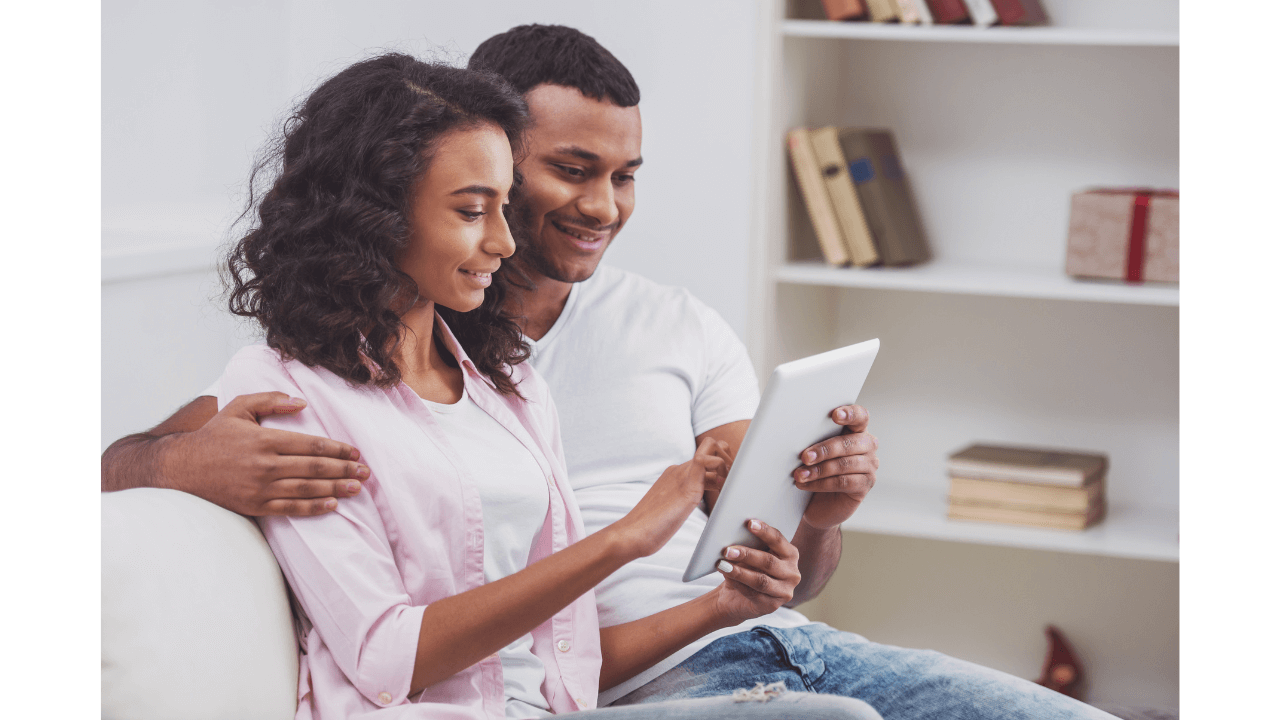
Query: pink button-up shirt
364	573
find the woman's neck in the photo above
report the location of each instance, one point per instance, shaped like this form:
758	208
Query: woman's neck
423	365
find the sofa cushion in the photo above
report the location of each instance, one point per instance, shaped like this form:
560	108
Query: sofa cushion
195	614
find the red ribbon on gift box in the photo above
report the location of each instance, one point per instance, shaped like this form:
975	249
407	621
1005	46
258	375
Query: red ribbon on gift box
1137	254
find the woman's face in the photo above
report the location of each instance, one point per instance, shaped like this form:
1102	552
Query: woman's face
458	235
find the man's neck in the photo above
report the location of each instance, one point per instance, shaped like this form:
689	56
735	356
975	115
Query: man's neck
541	306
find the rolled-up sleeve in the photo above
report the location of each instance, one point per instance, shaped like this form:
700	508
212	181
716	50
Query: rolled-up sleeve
340	565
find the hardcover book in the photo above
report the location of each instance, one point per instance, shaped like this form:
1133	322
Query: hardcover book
814	192
876	170
1033	465
948	12
1024	496
844	9
1020	12
914	11
1058	521
883	10
844	198
982	12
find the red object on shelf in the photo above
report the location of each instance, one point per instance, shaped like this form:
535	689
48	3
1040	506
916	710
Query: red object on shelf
1062	671
1124	234
948	11
1020	12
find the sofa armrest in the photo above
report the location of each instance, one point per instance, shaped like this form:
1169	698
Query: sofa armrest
195	613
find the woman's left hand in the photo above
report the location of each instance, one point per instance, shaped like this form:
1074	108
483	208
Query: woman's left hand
757	582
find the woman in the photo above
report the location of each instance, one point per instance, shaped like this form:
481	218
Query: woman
458	581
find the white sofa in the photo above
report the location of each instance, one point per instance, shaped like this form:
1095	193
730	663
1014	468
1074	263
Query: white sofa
195	613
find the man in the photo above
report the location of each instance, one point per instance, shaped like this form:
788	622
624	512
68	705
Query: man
640	374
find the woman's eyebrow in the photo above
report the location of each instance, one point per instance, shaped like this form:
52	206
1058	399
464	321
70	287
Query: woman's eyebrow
476	190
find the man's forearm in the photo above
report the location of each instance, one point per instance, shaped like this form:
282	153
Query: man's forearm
134	461
138	460
819	556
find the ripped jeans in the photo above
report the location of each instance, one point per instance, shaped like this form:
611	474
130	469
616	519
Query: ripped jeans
901	684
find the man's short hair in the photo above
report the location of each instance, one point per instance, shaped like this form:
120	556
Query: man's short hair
530	55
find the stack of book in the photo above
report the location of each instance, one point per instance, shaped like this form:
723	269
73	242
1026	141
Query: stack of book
943	12
1027	486
853	186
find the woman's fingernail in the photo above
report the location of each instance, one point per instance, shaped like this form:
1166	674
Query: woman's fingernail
330	504
732	553
353	488
804	474
362	472
754	524
724	567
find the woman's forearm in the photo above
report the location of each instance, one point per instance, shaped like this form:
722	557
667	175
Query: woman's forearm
634	647
463	629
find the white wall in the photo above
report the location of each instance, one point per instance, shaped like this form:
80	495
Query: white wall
191	90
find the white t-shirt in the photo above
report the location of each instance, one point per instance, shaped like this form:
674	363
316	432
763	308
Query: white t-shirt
514	501
637	371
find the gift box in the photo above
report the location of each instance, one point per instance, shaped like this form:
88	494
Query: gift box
1124	233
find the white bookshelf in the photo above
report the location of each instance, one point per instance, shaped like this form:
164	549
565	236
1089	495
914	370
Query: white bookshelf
991	340
978	279
986	35
1143	532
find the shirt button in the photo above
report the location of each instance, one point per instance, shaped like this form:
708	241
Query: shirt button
551	480
581	702
563	646
384	698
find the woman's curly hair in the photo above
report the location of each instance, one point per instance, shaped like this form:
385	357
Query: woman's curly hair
317	268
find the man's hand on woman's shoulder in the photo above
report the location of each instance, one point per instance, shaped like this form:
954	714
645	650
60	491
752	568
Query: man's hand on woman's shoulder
234	462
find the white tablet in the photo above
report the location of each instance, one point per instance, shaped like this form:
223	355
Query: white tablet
794	413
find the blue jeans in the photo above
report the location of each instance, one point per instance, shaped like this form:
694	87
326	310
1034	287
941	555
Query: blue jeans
788	706
901	684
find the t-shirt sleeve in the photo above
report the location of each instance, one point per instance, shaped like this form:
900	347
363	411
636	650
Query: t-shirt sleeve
727	390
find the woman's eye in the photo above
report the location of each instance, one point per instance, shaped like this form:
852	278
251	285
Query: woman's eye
470	214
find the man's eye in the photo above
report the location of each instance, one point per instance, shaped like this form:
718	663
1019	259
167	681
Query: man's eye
571	171
623	179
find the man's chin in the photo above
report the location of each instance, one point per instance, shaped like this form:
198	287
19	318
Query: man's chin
566	272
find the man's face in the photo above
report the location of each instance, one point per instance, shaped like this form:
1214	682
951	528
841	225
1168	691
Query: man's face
579	169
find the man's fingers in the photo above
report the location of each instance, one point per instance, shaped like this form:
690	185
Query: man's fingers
264	404
313	468
857	485
844	465
300	508
305	489
858	443
854	417
284	442
756	580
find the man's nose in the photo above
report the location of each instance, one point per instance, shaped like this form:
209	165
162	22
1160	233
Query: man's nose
598	202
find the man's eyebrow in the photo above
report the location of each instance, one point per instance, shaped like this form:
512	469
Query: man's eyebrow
589	156
476	190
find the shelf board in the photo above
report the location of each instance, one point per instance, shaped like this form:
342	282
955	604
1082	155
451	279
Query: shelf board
921	512
1044	35
959	278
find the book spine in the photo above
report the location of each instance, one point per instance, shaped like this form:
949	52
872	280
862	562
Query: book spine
908	11
812	190
844	9
883	10
844	198
948	12
982	12
904	228
1010	473
1010	12
1058	521
969	491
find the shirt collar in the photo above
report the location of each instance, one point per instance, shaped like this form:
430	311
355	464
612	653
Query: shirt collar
459	354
